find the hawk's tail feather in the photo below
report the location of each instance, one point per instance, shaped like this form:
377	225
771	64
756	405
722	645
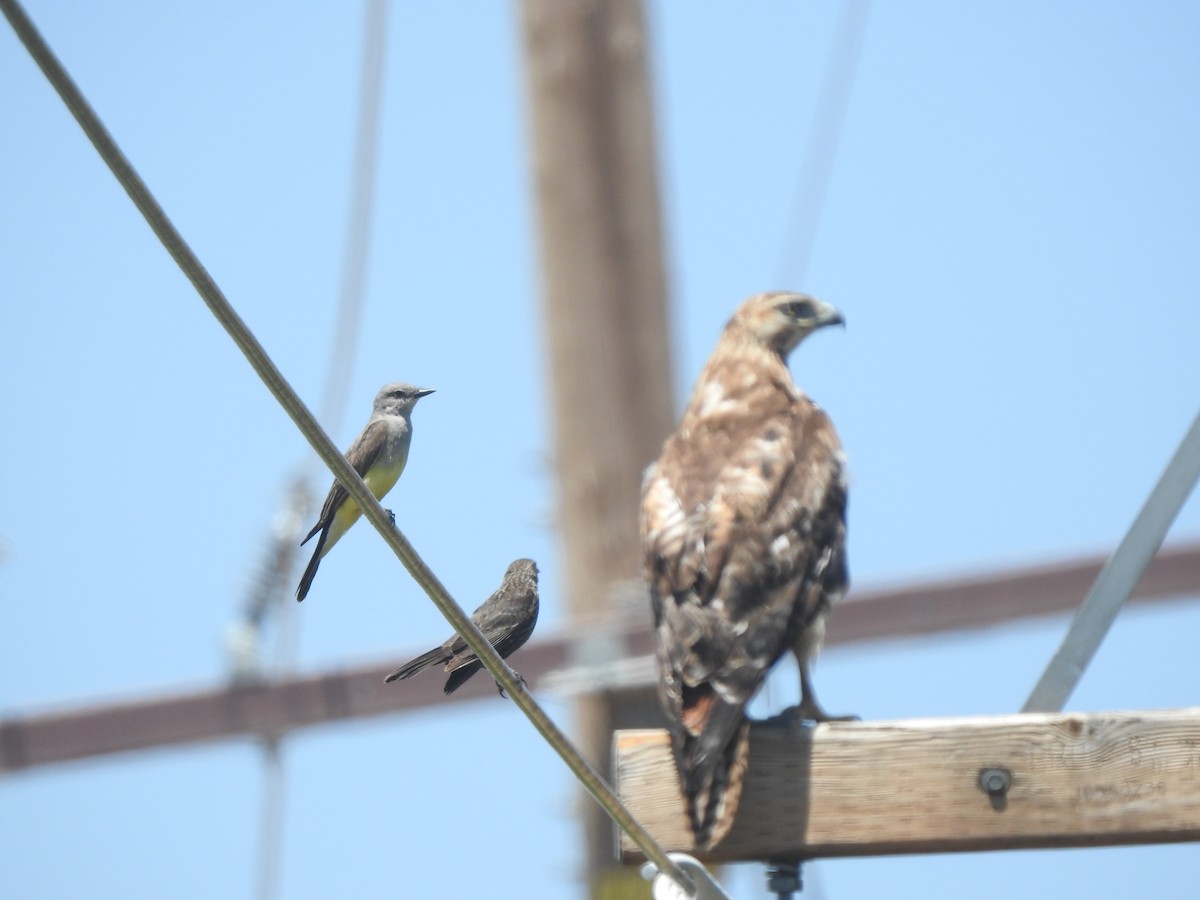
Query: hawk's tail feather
419	664
715	763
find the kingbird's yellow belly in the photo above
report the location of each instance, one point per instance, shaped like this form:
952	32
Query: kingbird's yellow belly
379	480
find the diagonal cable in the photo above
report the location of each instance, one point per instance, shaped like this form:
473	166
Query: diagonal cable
320	442
362	209
1119	577
825	131
273	595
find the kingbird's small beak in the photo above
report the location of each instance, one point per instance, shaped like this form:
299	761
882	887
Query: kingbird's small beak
424	392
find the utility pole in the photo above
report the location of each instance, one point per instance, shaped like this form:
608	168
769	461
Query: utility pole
604	293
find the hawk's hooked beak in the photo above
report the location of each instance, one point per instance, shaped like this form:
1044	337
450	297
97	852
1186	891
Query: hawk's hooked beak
829	315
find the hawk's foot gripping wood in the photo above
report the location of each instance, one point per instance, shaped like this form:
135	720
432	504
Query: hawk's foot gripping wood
808	709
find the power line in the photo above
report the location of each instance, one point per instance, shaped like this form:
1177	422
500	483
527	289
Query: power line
270	588
1119	577
273	594
812	184
270	375
362	208
270	834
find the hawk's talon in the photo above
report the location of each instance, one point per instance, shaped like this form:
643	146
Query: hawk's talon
809	712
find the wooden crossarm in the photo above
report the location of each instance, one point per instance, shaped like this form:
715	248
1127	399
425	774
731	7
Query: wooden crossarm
914	786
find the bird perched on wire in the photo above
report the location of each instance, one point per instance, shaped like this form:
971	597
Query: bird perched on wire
506	619
378	455
743	531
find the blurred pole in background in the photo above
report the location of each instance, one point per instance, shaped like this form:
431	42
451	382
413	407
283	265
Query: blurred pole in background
594	161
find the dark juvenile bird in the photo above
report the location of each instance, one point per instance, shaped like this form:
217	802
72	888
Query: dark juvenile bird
506	619
743	531
378	455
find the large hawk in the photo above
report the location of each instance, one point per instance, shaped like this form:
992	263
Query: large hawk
743	533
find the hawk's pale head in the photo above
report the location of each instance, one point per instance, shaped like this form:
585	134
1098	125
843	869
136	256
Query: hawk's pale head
780	319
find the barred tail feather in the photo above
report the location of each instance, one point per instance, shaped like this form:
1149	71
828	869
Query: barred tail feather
713	766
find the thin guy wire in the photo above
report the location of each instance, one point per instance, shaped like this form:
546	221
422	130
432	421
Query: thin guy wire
1119	577
350	303
320	442
362	207
825	131
270	844
333	410
273	595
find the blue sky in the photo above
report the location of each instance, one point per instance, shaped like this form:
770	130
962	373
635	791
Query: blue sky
1010	229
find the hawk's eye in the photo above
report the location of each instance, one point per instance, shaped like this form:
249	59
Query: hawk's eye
801	309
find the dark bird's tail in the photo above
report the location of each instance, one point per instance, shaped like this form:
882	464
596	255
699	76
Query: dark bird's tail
434	657
460	675
310	572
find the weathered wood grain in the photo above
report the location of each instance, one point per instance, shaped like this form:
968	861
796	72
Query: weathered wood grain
913	786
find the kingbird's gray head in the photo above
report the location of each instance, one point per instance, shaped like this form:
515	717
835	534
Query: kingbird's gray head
398	398
522	569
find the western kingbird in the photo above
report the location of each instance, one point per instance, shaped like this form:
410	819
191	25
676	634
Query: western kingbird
506	619
378	455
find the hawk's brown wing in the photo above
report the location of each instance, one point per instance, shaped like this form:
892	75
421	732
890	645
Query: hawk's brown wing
743	530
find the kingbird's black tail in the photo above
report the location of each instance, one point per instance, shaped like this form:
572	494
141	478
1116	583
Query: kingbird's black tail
420	664
311	572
